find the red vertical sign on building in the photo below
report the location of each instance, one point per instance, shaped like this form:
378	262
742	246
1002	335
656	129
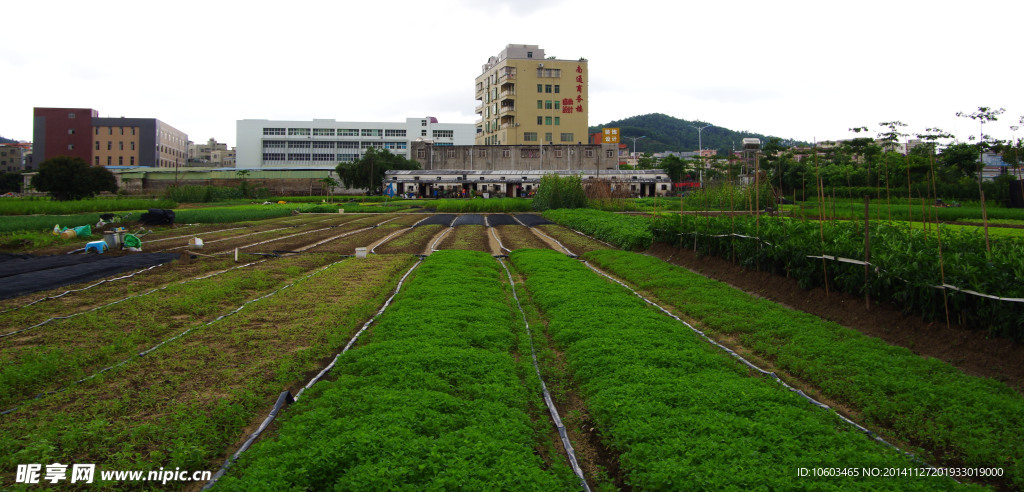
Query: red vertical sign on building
579	88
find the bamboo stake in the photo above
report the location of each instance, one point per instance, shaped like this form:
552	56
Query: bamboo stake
924	221
757	206
867	252
984	220
821	215
833	204
888	202
821	230
910	193
732	216
938	232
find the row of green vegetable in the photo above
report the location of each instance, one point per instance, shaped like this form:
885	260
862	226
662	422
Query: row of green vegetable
683	415
959	419
433	400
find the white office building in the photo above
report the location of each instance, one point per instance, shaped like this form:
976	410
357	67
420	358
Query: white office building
322	144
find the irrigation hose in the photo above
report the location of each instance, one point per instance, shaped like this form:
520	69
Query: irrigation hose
374	248
440	237
185	236
560	245
569	451
537	231
58	296
496	238
233	237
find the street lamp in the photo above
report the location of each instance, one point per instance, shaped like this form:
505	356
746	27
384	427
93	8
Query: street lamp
634	143
700	149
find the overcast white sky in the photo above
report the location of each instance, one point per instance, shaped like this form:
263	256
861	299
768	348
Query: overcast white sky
795	69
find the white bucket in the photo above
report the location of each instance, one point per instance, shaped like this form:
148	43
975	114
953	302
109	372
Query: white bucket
360	252
195	243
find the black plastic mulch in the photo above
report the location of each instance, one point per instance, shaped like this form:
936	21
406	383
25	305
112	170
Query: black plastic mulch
469	219
501	220
442	219
532	220
11	265
20	276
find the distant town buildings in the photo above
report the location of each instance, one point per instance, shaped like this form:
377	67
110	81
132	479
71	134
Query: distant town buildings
13	157
80	132
323	143
211	153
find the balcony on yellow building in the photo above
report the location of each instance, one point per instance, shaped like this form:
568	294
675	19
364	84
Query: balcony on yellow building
507	73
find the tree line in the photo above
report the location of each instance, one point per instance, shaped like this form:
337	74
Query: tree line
866	165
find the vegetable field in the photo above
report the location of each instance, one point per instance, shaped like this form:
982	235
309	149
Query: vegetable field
473	350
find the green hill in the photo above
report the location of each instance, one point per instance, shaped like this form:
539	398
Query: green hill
7	140
665	133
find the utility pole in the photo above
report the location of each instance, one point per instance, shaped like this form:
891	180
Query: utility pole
700	151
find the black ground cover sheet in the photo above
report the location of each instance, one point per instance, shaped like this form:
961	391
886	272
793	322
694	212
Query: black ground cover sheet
442	219
25	274
469	219
531	220
501	220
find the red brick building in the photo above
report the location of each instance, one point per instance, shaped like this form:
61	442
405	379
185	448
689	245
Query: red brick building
62	131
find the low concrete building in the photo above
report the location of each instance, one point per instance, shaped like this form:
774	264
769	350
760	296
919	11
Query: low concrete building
431	183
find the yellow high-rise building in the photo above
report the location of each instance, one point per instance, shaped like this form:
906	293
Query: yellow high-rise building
527	99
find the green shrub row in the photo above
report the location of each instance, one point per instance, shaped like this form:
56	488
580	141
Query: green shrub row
906	263
629	232
215	215
37	206
904	209
479	205
682	414
432	402
206	194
